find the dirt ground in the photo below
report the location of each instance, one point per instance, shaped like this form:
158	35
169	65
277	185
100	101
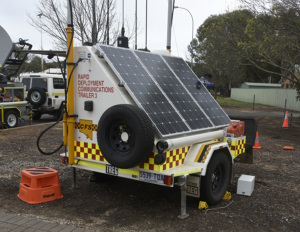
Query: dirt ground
117	204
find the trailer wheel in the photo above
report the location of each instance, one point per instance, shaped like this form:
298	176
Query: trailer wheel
125	136
11	118
36	96
215	182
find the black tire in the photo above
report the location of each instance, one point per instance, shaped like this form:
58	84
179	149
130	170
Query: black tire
11	118
125	136
215	182
36	96
36	115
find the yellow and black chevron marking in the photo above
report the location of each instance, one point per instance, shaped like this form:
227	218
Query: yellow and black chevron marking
174	158
91	151
203	151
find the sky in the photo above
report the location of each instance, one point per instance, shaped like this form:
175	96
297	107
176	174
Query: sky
14	19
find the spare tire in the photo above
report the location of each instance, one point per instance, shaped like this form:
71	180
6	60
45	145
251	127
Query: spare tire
125	136
36	96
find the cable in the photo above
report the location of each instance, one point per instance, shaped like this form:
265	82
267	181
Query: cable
66	90
47	129
70	76
224	207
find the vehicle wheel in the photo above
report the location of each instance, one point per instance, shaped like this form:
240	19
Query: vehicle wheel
36	96
125	136
36	115
215	182
11	118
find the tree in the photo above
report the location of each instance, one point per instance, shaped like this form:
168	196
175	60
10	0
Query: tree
89	19
262	40
273	37
217	50
33	64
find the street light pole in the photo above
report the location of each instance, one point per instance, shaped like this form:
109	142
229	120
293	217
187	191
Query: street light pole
42	63
178	7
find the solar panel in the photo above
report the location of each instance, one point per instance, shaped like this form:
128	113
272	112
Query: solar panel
205	100
144	90
165	87
175	92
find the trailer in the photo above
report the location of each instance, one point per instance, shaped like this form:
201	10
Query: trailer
147	117
12	102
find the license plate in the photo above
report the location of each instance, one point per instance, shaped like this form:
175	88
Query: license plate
151	177
112	170
193	186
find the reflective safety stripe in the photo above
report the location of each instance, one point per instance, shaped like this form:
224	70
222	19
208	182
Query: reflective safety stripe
91	151
237	146
58	94
103	167
174	158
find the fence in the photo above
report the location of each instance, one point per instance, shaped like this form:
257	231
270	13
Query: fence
272	97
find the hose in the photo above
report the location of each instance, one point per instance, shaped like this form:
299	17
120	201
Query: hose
47	129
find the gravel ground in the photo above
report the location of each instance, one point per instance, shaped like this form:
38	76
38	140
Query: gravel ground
117	204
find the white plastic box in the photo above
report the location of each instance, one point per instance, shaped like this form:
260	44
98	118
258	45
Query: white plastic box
245	185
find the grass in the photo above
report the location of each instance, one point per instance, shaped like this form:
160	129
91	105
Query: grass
229	101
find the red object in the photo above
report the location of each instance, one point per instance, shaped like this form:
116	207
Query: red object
237	128
291	148
39	185
285	121
256	144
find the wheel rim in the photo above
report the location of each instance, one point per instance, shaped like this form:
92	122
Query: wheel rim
217	178
36	96
120	137
11	120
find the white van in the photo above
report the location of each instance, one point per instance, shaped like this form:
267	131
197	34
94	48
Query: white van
45	92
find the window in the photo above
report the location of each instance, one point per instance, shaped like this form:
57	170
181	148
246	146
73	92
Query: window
58	83
26	82
39	82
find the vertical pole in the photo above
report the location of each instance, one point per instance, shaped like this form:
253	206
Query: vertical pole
146	35
285	103
30	115
65	134
107	26
42	62
2	115
74	178
169	26
135	46
253	101
182	184
70	120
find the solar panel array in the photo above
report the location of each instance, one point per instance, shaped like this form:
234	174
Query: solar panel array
165	87
202	96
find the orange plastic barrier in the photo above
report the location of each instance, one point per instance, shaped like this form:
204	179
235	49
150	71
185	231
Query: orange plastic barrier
285	121
39	185
256	144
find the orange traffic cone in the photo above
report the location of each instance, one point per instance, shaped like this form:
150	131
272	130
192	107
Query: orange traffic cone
256	144
286	121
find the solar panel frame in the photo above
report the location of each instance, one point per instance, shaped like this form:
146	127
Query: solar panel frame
176	127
